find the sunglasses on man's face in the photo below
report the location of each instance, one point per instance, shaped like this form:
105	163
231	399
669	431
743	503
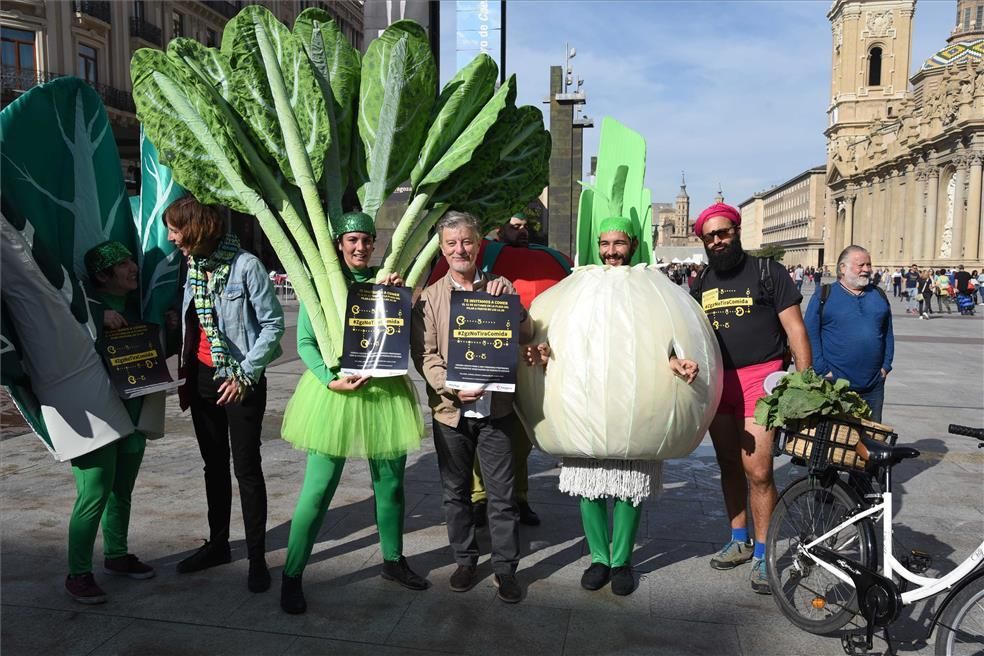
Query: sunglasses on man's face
721	234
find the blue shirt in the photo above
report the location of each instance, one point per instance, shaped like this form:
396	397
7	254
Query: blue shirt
856	340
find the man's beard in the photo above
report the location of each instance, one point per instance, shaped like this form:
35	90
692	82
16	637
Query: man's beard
727	259
856	282
513	237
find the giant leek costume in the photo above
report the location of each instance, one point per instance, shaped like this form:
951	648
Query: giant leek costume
380	422
608	401
63	195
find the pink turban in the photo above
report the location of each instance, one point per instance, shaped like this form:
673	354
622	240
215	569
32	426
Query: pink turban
717	209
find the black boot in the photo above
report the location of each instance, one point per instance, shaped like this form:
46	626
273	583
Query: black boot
292	595
623	583
399	571
208	555
596	576
259	576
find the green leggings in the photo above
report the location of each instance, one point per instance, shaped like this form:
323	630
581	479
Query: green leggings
104	481
594	516
320	480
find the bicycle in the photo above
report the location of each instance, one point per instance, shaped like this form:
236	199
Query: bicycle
823	563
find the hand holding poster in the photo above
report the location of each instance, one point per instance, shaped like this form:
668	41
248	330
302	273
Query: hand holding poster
483	343
377	331
136	362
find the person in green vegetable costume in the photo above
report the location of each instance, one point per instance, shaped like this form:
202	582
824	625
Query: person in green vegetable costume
628	482
104	478
334	417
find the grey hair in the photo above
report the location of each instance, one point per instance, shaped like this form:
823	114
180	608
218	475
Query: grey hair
456	219
846	253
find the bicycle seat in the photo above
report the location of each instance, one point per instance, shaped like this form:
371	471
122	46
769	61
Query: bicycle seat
879	454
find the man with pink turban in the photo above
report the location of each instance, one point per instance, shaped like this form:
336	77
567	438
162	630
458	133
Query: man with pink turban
754	309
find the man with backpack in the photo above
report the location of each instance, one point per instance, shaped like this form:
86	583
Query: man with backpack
850	327
753	307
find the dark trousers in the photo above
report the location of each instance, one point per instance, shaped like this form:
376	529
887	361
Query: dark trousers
456	448
896	286
875	398
218	427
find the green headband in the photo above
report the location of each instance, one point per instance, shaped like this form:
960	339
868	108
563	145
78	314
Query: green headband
105	255
355	222
618	224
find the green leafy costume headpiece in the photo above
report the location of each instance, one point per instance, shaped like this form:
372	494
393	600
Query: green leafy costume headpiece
105	255
356	222
618	224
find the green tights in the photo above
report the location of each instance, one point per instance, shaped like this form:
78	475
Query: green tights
320	480
594	516
104	481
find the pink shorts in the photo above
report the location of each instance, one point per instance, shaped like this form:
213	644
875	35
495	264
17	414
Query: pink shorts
743	387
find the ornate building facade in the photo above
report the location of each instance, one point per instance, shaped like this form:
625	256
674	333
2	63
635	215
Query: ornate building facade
905	155
672	221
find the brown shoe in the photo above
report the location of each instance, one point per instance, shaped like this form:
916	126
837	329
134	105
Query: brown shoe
129	566
84	589
463	579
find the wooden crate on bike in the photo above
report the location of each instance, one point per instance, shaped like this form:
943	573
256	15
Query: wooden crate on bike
826	441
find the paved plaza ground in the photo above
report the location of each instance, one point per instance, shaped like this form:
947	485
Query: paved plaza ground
680	607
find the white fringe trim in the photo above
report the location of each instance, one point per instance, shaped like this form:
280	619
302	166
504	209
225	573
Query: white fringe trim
632	480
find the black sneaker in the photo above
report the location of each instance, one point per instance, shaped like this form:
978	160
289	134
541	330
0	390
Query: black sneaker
480	513
128	565
208	555
259	576
596	576
509	591
623	583
526	515
463	579
292	595
399	571
84	589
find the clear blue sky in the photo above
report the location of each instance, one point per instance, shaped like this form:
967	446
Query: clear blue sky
734	92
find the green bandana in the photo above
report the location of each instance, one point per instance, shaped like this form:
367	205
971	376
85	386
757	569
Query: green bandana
355	222
618	224
105	255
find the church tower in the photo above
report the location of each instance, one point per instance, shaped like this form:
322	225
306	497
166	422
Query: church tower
872	43
682	219
970	21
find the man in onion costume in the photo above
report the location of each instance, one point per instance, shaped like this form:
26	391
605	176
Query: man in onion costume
633	370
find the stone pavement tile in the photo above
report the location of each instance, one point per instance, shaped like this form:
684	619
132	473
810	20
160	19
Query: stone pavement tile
148	638
349	611
785	639
30	631
481	625
621	634
321	646
656	554
548	587
672	518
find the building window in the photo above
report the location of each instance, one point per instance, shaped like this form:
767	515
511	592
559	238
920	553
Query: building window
874	67
211	38
966	21
17	50
980	16
177	24
88	64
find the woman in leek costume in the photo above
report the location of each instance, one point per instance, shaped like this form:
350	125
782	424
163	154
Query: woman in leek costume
104	478
595	480
334	417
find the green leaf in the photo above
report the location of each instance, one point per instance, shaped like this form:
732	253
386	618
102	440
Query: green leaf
396	94
464	147
461	100
617	196
337	69
210	64
262	89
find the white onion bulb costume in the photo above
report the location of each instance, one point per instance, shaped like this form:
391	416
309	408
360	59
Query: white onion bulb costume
608	400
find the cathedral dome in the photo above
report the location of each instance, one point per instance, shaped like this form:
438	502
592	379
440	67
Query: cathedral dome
954	53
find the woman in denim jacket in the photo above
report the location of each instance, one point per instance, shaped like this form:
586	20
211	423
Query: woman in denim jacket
231	326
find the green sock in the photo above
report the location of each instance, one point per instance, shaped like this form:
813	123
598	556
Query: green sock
320	480
624	528
594	517
387	486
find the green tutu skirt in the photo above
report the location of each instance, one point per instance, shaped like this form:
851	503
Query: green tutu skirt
379	421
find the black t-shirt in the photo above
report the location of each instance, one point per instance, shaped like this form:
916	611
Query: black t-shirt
911	278
962	279
745	321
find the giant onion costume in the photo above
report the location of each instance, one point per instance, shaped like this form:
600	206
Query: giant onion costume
608	402
380	421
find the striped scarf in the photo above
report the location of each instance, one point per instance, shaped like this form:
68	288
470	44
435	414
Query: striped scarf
203	287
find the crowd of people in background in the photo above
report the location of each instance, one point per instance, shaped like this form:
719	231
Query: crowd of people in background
917	287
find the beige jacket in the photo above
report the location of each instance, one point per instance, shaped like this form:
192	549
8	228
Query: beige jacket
429	349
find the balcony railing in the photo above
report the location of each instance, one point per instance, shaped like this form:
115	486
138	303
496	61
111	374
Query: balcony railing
144	30
15	81
226	9
94	8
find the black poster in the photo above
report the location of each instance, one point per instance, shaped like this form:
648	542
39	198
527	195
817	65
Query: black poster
136	361
377	331
483	341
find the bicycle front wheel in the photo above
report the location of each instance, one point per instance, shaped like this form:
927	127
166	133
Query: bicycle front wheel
808	595
961	627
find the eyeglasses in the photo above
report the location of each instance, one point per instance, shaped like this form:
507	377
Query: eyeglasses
721	234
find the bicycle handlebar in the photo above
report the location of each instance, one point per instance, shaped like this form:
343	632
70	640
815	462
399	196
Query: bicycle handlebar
977	433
